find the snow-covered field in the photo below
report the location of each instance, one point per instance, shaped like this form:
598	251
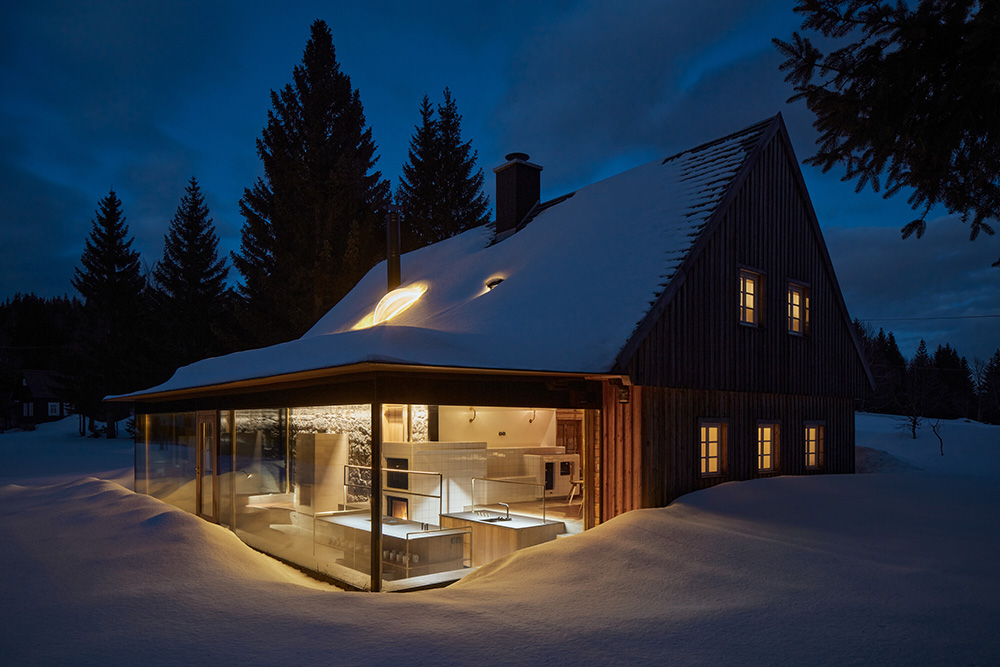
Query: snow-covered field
869	569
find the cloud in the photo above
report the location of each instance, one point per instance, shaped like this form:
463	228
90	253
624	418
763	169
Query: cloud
886	279
613	79
36	254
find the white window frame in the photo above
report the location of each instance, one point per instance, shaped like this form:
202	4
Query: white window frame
798	308
768	447
814	443
750	300
712	447
54	409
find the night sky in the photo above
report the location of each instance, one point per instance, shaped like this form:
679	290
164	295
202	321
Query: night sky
141	95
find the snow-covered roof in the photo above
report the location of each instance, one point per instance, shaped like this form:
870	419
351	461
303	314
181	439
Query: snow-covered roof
576	283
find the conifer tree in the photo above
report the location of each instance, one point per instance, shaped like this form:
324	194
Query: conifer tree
905	97
109	351
441	191
989	389
319	183
190	290
952	390
917	389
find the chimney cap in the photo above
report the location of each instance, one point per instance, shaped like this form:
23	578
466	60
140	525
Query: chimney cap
516	156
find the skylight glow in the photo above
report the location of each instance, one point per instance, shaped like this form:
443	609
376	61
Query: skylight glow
395	302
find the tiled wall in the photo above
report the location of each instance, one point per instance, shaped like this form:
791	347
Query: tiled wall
458	463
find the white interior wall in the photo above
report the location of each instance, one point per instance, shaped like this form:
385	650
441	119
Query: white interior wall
497	427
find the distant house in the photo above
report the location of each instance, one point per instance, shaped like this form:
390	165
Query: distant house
40	398
658	332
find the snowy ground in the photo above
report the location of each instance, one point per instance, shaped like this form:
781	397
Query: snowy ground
889	568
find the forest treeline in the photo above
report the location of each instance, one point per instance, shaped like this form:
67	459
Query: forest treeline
313	225
938	385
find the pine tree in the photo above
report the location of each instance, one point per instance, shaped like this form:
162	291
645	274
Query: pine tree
951	388
190	284
441	191
990	390
917	389
109	354
905	99
319	180
419	182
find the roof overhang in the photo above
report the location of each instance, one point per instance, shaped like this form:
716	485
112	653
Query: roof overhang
361	370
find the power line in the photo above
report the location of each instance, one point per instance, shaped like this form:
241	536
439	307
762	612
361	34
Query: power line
919	319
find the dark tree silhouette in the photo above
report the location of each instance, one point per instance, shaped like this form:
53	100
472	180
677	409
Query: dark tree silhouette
909	102
109	352
189	285
314	222
441	190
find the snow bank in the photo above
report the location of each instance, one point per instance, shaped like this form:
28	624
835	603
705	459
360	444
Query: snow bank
856	569
54	452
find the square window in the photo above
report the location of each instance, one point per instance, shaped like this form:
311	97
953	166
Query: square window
798	309
53	409
750	284
713	448
814	445
767	447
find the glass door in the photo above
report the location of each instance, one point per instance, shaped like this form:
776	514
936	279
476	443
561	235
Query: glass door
207	481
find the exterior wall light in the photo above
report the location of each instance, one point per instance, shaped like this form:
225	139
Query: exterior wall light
395	302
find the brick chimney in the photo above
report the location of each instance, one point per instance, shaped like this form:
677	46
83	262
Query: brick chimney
518	190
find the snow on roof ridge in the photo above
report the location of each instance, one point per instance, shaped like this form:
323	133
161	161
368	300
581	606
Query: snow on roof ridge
632	231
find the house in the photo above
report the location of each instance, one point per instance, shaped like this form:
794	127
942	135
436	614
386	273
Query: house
661	331
41	398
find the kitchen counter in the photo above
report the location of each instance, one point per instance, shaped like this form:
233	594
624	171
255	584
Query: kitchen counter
408	549
493	539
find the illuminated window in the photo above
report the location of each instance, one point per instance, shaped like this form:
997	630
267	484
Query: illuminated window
713	448
798	309
814	445
767	447
749	297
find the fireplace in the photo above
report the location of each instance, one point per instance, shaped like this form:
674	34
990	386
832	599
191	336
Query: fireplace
397	507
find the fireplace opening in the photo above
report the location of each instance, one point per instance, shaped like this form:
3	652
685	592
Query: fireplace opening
399	508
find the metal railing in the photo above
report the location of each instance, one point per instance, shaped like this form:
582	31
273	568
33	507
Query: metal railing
507	481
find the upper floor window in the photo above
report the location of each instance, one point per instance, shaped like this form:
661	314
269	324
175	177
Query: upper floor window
814	445
767	447
713	447
749	297
798	309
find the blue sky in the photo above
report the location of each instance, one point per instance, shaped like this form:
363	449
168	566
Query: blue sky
140	96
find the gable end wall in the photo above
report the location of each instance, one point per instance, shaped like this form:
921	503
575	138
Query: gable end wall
698	342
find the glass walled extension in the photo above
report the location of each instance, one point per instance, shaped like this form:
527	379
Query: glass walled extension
457	486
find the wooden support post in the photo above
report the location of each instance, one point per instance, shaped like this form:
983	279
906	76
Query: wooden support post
376	490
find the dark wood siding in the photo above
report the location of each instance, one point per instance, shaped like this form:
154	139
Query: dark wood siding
670	447
621	453
697	340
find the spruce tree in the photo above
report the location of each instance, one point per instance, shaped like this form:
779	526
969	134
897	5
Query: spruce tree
109	353
441	191
989	389
905	97
319	183
190	284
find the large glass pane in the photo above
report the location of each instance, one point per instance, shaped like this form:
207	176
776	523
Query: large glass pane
206	466
301	489
171	458
225	464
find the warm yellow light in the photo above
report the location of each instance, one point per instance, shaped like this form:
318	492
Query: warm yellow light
395	302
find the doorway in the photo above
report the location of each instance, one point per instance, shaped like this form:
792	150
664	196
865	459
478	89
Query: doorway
206	468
